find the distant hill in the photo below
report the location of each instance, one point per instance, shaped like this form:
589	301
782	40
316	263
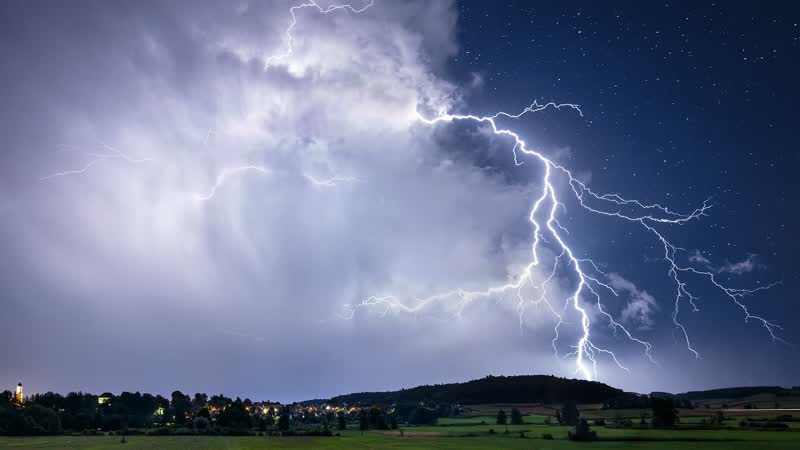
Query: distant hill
513	389
737	392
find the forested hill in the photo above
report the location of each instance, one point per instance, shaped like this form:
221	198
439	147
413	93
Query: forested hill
516	389
739	392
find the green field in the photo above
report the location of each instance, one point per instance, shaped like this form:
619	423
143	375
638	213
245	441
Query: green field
452	434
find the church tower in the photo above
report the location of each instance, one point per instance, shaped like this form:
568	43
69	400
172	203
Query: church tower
18	393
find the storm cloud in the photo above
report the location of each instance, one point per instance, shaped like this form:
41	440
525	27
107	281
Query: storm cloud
171	206
177	213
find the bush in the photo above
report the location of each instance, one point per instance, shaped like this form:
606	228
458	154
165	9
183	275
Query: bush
547	437
200	423
624	423
491	430
582	432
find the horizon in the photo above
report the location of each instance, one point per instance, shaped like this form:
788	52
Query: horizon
300	200
394	389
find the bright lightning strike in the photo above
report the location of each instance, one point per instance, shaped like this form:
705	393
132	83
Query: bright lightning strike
547	228
543	217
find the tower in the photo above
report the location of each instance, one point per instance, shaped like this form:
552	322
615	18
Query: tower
18	393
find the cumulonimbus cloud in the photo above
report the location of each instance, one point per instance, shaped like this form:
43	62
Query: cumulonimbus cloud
212	222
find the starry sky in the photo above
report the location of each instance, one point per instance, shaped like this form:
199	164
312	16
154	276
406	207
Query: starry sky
683	101
189	200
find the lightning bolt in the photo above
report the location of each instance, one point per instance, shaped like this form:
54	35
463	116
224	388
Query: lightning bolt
228	173
109	152
330	182
312	4
225	175
543	217
545	224
271	60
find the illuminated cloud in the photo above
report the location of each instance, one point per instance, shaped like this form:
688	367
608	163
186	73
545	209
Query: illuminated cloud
641	306
747	265
268	199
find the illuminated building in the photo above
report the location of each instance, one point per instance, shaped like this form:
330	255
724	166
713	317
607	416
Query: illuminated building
104	398
18	393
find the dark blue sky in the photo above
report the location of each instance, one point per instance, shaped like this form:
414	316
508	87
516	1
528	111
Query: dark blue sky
187	201
682	101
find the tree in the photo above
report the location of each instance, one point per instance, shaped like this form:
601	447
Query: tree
200	423
381	422
181	405
582	432
341	422
516	416
200	401
664	412
363	421
393	421
501	417
269	418
235	416
569	413
219	401
283	421
373	414
41	420
422	416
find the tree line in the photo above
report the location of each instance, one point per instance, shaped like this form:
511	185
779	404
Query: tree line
502	389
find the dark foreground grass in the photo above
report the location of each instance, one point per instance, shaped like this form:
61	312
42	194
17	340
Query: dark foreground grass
418	439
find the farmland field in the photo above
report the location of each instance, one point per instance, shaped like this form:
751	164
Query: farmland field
468	433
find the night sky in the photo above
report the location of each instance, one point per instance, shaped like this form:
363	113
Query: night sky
182	209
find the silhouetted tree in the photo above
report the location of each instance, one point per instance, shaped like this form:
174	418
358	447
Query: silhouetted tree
283	421
341	422
516	416
373	415
181	404
363	421
200	423
422	416
569	413
501	417
664	412
582	432
219	401
42	420
235	416
199	401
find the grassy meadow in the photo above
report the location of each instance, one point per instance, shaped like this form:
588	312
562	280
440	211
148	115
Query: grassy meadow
478	431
